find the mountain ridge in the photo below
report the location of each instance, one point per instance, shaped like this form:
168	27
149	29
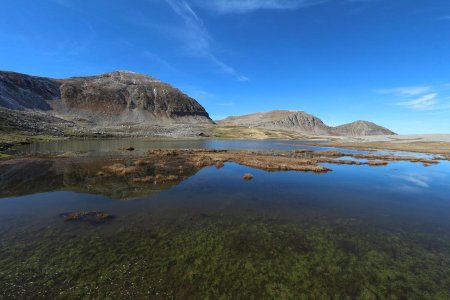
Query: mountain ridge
123	98
300	121
113	97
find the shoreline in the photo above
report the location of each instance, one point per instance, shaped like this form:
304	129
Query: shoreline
424	144
269	160
433	148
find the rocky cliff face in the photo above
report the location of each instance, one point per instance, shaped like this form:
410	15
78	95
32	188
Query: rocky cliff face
302	122
115	97
129	93
280	120
20	91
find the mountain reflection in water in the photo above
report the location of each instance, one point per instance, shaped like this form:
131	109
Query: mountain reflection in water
201	231
83	176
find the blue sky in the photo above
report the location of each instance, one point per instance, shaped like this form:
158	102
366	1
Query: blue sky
387	61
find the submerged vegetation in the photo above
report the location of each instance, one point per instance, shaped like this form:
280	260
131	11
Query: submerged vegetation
5	155
294	245
92	217
214	257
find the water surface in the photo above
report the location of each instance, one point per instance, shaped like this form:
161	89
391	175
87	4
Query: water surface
356	232
142	145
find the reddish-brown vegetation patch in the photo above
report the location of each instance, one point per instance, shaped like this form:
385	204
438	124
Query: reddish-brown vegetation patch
377	163
329	153
87	216
165	178
302	151
339	161
120	169
370	157
146	179
247	176
140	162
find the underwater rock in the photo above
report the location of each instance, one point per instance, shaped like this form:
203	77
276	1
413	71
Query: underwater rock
92	217
247	176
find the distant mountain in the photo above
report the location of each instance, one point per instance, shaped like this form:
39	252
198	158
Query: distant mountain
115	97
362	128
302	122
282	120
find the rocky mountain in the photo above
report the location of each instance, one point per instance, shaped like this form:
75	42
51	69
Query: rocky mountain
302	122
20	91
111	98
362	128
125	98
280	120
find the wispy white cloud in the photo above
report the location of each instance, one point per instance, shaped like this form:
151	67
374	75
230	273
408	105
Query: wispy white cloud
422	103
243	6
421	98
246	6
406	90
197	39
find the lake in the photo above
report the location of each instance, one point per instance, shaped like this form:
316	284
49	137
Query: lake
357	232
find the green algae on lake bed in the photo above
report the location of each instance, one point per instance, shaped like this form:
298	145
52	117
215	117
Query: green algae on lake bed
213	257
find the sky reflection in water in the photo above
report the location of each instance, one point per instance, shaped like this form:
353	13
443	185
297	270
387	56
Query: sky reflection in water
357	231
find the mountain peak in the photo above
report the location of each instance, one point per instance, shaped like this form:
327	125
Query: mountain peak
361	127
110	98
300	121
290	120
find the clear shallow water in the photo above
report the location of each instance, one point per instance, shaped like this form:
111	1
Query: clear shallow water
357	232
117	146
141	146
